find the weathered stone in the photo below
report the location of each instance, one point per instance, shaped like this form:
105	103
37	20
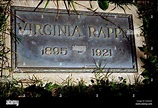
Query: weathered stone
51	41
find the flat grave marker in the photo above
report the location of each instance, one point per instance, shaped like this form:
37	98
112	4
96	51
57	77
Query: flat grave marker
45	41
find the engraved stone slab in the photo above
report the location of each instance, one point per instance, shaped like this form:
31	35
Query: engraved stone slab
45	41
